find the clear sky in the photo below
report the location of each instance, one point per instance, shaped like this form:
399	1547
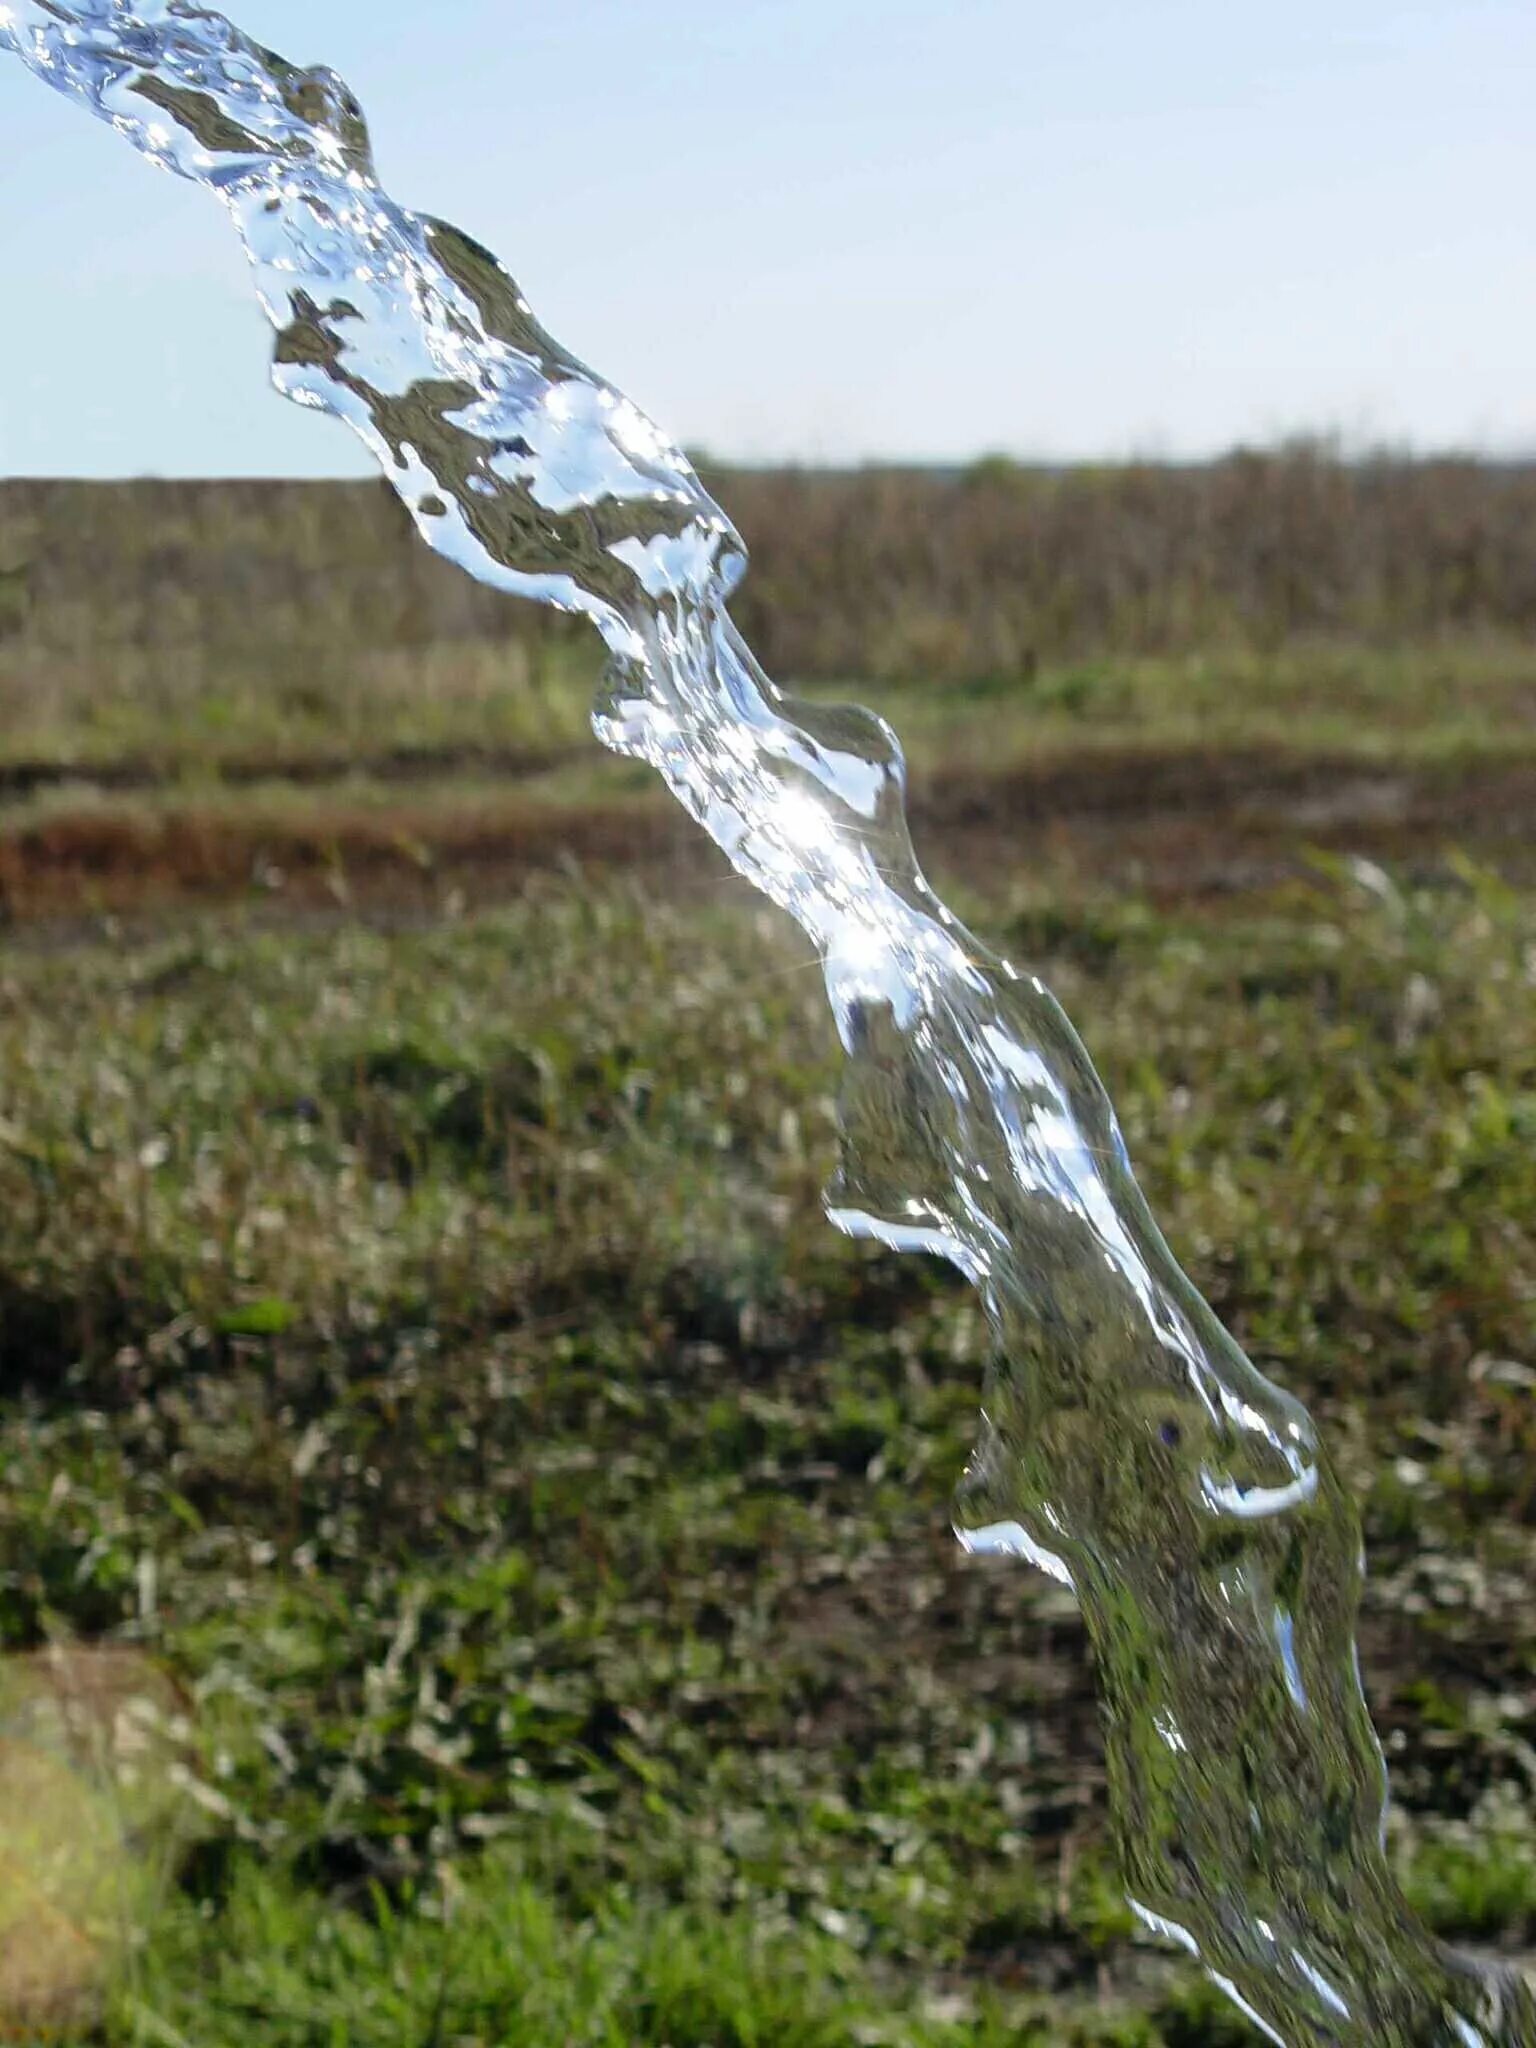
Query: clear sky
837	229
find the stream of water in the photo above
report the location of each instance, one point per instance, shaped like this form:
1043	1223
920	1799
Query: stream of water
1128	1446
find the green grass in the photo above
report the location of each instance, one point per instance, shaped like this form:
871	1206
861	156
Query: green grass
1465	699
189	715
425	1343
190	712
498	1958
430	1347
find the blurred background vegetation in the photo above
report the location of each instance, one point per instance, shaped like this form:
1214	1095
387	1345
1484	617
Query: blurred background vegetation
474	1562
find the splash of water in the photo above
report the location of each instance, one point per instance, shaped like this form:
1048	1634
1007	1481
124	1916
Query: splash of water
1129	1447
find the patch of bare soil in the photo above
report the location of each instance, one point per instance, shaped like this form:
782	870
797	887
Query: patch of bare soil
1190	823
96	862
21	779
1175	824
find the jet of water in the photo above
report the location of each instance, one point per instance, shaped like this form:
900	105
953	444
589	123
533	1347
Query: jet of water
1129	1447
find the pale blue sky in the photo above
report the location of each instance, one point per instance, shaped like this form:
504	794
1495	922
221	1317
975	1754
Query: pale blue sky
833	229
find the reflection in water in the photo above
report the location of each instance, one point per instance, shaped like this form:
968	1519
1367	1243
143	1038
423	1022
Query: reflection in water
1129	1447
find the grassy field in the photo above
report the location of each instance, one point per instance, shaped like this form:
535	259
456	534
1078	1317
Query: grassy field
429	1388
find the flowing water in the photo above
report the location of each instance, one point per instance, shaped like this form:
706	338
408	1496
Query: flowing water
1129	1448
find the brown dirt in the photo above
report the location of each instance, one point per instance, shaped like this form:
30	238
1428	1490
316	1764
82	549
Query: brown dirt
24	778
1190	824
96	862
1176	824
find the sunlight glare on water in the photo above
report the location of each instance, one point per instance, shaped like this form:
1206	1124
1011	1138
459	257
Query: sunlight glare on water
1128	1446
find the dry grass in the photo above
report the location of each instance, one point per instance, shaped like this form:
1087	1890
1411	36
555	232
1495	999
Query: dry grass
188	597
1001	570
